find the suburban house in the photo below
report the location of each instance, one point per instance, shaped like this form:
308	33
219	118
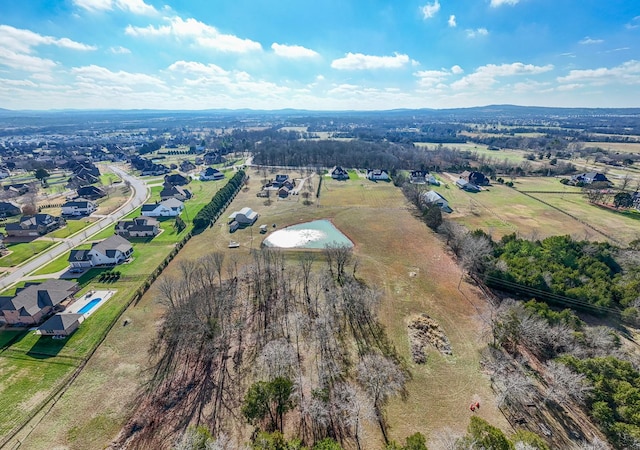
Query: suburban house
78	207
17	188
338	173
153	169
476	178
9	209
170	207
61	324
246	216
90	192
186	166
176	179
138	227
636	200
378	174
34	302
171	191
111	251
36	225
4	172
589	177
464	184
434	198
210	174
284	192
418	176
214	157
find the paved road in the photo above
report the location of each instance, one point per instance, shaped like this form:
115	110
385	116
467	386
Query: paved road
138	197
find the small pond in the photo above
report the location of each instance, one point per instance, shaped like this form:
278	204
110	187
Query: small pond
316	234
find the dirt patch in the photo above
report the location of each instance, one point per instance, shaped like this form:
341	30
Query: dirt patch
424	332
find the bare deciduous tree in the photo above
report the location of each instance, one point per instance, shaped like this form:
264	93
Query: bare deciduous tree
565	385
381	378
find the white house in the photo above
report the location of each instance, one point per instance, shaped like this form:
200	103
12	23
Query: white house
113	250
170	207
378	174
210	173
78	207
434	198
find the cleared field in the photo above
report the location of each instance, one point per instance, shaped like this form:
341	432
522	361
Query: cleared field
511	156
622	147
391	246
500	210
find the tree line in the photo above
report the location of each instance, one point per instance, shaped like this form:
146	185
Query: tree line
212	210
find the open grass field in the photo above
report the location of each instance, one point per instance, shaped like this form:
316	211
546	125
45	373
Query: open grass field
622	147
390	245
501	210
511	156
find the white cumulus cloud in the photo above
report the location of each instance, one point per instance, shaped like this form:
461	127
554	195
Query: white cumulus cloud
486	76
452	21
588	41
477	32
293	51
133	6
200	33
359	61
119	50
497	3
430	9
626	73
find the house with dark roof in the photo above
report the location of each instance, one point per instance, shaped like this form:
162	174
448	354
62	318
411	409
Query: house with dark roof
9	209
589	178
33	226
176	179
90	192
214	157
17	188
111	251
61	324
170	207
138	227
475	178
78	207
418	176
338	173
34	302
210	173
171	191
186	166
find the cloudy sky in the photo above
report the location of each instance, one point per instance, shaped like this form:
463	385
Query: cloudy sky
318	54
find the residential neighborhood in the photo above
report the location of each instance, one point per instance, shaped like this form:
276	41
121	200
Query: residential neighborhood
109	252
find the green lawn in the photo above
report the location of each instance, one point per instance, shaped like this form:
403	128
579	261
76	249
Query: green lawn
24	251
33	366
109	178
72	227
54	266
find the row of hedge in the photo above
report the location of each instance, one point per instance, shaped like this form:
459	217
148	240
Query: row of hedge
212	210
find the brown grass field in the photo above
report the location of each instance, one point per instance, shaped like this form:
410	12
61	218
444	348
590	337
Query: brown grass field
389	243
500	210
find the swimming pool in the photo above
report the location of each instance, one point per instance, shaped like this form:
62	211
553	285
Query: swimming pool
89	306
315	234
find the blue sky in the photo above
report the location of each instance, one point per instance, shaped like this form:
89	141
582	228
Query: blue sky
320	54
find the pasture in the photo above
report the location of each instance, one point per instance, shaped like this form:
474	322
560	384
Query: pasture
396	252
551	209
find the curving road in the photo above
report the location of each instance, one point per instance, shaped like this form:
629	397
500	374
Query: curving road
138	196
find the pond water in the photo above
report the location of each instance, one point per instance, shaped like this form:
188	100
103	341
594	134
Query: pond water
316	234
